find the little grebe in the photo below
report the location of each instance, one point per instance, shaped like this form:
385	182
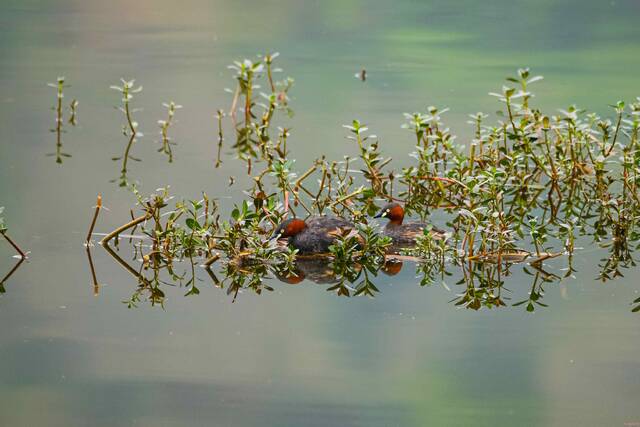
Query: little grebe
404	234
314	235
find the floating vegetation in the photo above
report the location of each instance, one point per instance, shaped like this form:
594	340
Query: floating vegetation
525	189
58	129
129	129
164	129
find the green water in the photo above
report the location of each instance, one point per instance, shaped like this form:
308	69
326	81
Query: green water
297	356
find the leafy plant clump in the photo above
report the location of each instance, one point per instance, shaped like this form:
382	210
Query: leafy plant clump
526	187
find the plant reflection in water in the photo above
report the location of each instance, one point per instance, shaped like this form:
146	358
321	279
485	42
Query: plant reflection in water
58	129
6	277
481	284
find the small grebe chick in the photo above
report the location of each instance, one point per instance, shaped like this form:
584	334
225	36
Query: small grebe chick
404	234
314	235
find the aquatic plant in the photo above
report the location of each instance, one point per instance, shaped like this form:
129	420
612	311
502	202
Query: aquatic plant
98	207
22	254
130	128
523	190
219	115
372	158
164	129
253	140
73	112
358	254
58	129
4	232
10	273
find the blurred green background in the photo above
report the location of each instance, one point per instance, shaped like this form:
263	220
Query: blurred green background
299	355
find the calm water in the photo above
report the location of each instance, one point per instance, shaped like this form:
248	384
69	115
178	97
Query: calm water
298	355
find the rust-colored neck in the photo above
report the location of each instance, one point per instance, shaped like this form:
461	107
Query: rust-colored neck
294	227
396	215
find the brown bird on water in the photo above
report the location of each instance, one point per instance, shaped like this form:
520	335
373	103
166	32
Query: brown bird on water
404	234
314	235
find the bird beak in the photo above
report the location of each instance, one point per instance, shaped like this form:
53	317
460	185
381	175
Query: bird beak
380	214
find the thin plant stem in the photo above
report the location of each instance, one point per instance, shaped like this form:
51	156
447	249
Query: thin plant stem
94	277
95	218
124	227
15	246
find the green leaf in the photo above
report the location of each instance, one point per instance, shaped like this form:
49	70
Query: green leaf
193	224
192	291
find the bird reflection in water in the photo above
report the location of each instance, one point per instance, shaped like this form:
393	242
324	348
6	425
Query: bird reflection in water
356	281
478	284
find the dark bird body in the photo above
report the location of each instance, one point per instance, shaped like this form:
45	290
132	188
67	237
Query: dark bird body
314	235
403	234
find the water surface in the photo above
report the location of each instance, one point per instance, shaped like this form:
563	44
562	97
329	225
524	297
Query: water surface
298	355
